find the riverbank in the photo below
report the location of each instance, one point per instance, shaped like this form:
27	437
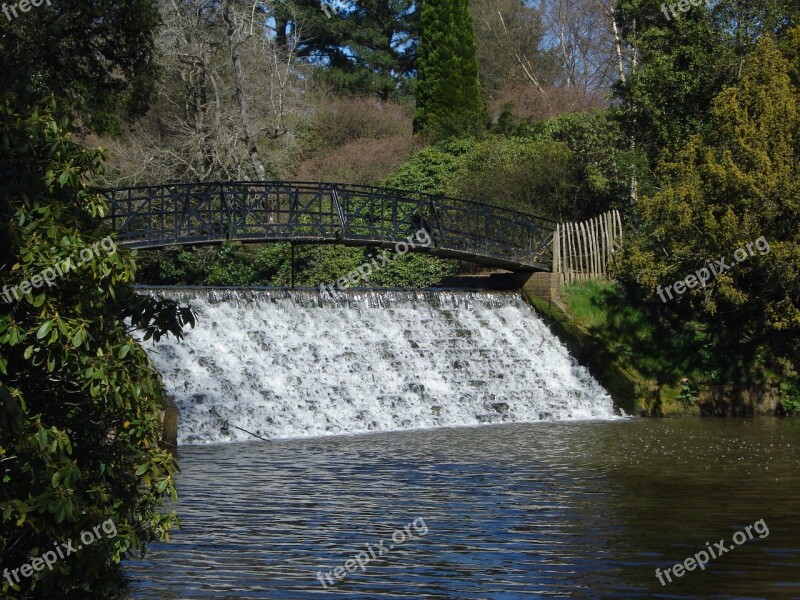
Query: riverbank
649	369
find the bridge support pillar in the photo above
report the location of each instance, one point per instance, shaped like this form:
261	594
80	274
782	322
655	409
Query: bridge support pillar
168	415
544	285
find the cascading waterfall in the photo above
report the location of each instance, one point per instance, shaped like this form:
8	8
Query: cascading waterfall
298	363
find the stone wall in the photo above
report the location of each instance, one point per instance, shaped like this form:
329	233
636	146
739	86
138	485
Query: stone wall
738	400
546	286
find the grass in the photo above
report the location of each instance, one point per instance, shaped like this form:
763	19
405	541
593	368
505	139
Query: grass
664	353
662	349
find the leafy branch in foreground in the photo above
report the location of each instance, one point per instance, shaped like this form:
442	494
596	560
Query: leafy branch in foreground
78	395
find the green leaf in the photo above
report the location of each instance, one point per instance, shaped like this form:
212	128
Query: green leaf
142	469
44	329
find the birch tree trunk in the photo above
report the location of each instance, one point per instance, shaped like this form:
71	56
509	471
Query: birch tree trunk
237	37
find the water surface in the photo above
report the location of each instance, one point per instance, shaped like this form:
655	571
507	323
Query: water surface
542	510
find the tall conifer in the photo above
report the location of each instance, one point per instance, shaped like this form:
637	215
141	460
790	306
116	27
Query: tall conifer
448	96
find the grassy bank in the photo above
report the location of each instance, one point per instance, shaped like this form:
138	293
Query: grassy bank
652	365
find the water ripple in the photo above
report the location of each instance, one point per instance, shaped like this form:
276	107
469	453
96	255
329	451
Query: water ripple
546	510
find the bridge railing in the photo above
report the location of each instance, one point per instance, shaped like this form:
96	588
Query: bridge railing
186	213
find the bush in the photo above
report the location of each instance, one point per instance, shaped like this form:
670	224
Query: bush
523	174
362	161
790	397
432	169
531	176
344	120
78	396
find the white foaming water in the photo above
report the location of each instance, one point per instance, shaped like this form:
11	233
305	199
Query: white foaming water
296	364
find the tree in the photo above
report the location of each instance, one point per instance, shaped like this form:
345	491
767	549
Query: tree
96	56
726	189
448	96
683	63
368	47
78	396
508	37
601	151
227	103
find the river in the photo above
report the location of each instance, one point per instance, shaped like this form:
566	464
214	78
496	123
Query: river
583	509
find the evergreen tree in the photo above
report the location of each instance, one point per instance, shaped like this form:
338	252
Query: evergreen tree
368	47
723	191
684	63
97	58
78	396
448	95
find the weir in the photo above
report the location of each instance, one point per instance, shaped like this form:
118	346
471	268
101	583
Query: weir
298	363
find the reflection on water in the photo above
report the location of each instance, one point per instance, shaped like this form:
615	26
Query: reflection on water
581	510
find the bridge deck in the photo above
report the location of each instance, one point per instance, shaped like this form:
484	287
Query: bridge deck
329	213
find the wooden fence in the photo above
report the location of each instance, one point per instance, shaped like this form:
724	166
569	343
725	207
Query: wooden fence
583	250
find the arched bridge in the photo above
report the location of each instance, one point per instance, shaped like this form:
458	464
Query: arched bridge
274	211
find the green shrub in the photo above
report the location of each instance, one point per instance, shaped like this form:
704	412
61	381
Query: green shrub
688	394
790	396
78	396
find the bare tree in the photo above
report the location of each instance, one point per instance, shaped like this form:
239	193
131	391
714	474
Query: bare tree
225	101
238	36
549	57
584	39
509	35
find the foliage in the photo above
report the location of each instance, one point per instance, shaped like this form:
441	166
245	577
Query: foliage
790	396
367	47
413	270
688	394
448	96
603	157
567	168
656	343
96	56
271	265
521	174
724	190
683	64
78	396
433	168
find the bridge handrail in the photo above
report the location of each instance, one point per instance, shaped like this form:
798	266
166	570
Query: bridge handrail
335	186
152	215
